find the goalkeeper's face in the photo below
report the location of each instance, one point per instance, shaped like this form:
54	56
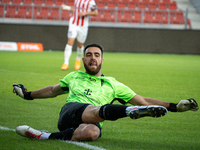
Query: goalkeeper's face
93	60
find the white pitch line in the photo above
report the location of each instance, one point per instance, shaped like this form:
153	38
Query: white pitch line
81	144
5	128
85	145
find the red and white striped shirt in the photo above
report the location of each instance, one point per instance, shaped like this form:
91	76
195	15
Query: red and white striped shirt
82	5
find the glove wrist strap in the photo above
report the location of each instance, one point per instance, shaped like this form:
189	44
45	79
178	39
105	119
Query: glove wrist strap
172	107
27	96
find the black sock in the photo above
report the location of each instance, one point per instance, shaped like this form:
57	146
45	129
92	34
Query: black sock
63	135
112	112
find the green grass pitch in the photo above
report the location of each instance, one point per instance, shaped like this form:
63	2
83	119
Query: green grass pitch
166	77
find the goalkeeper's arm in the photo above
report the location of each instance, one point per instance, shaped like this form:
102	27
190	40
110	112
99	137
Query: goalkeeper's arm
183	105
47	92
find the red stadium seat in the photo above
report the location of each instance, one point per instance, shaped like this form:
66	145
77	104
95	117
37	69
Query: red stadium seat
110	15
181	19
10	11
50	2
110	4
25	12
133	17
136	1
93	19
137	5
159	18
100	17
173	5
1	10
125	1
121	16
65	2
155	1
108	0
164	1
167	4
60	2
152	5
104	16
177	20
176	13
37	12
65	15
70	3
101	4
17	2
146	1
28	2
150	17
44	13
39	2
136	16
53	14
147	17
162	17
131	5
49	13
122	5
162	6
6	1
146	5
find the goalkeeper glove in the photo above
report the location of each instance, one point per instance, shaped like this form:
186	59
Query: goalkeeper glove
22	91
187	104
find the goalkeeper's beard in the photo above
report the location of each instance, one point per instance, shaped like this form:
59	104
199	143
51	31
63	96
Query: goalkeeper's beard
92	71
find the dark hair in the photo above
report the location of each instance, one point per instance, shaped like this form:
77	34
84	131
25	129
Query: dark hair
94	45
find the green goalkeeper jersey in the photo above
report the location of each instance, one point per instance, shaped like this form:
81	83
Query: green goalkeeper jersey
85	88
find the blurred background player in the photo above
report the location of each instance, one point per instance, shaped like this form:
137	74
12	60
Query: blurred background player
78	28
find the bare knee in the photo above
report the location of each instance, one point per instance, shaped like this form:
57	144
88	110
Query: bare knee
80	44
71	41
86	132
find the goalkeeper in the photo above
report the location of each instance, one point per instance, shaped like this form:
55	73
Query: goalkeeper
90	100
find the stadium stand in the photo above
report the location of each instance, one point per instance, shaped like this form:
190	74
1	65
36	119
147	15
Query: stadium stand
196	4
25	12
147	16
122	11
10	11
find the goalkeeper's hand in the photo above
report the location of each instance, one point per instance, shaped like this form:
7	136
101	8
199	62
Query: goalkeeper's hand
187	104
22	91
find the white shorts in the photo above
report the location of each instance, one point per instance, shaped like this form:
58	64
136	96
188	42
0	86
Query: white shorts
77	32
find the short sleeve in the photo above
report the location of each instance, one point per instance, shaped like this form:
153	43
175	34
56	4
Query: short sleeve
123	92
92	5
64	83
